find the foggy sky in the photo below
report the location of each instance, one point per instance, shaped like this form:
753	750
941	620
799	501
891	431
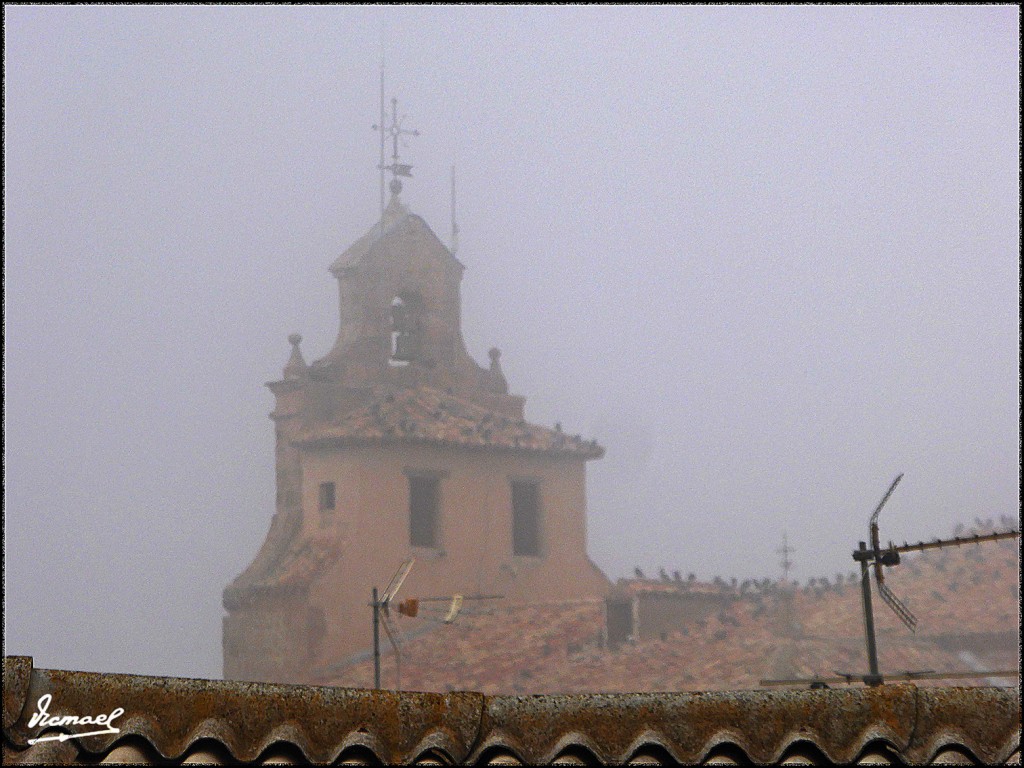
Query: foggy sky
768	257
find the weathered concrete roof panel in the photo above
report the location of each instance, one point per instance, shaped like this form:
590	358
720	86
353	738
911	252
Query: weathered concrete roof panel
176	719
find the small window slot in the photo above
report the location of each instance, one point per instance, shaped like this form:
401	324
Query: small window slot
326	500
525	518
424	503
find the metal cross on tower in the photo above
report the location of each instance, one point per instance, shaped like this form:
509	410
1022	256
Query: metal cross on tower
395	130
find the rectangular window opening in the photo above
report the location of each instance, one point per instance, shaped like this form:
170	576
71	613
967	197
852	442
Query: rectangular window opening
326	497
525	518
424	495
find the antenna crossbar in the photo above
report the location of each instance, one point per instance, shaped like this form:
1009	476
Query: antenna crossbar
956	541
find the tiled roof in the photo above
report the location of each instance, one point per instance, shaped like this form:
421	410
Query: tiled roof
428	415
173	720
557	649
285	561
767	634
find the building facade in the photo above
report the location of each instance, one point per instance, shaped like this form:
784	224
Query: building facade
398	445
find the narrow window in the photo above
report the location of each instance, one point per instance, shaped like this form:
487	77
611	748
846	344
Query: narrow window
406	311
423	510
525	518
326	497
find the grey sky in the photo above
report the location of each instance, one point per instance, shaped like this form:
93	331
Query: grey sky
767	256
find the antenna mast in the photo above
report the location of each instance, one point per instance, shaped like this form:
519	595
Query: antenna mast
874	559
455	227
381	129
786	563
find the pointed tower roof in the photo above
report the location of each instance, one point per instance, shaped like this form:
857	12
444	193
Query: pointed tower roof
396	217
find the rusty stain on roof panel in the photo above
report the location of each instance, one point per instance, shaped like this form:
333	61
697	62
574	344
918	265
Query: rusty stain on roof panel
689	726
17	675
173	713
183	719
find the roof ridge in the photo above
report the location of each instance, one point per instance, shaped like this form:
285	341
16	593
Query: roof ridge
172	715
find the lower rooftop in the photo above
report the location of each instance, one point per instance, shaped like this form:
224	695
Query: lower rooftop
171	721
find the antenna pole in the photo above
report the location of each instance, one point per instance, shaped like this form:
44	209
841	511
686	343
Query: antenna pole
787	564
376	641
381	124
873	677
455	227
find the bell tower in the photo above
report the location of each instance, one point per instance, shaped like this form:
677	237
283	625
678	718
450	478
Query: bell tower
399	309
397	444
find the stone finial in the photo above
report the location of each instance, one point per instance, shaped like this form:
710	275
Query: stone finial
296	367
496	379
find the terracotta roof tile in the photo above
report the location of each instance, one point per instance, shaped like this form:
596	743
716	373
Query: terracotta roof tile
427	415
558	647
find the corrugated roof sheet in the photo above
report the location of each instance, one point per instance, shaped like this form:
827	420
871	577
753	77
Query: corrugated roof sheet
428	415
176	720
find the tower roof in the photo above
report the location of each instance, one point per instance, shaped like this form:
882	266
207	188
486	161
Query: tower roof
428	415
396	218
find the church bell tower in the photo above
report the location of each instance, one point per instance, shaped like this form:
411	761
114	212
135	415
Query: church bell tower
397	444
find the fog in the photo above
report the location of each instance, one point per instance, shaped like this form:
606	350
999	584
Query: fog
767	256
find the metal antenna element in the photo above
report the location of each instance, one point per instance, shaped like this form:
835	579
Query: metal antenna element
420	606
455	227
396	581
785	551
453	611
411	607
888	557
380	165
382	615
393	637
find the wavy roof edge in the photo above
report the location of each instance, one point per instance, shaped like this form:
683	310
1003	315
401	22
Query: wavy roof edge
172	715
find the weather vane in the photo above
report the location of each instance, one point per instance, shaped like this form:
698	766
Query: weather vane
395	130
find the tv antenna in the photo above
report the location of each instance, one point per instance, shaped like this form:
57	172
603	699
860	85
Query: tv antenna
785	550
888	557
447	610
875	559
382	615
455	227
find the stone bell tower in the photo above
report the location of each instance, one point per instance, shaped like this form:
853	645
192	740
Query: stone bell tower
397	444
